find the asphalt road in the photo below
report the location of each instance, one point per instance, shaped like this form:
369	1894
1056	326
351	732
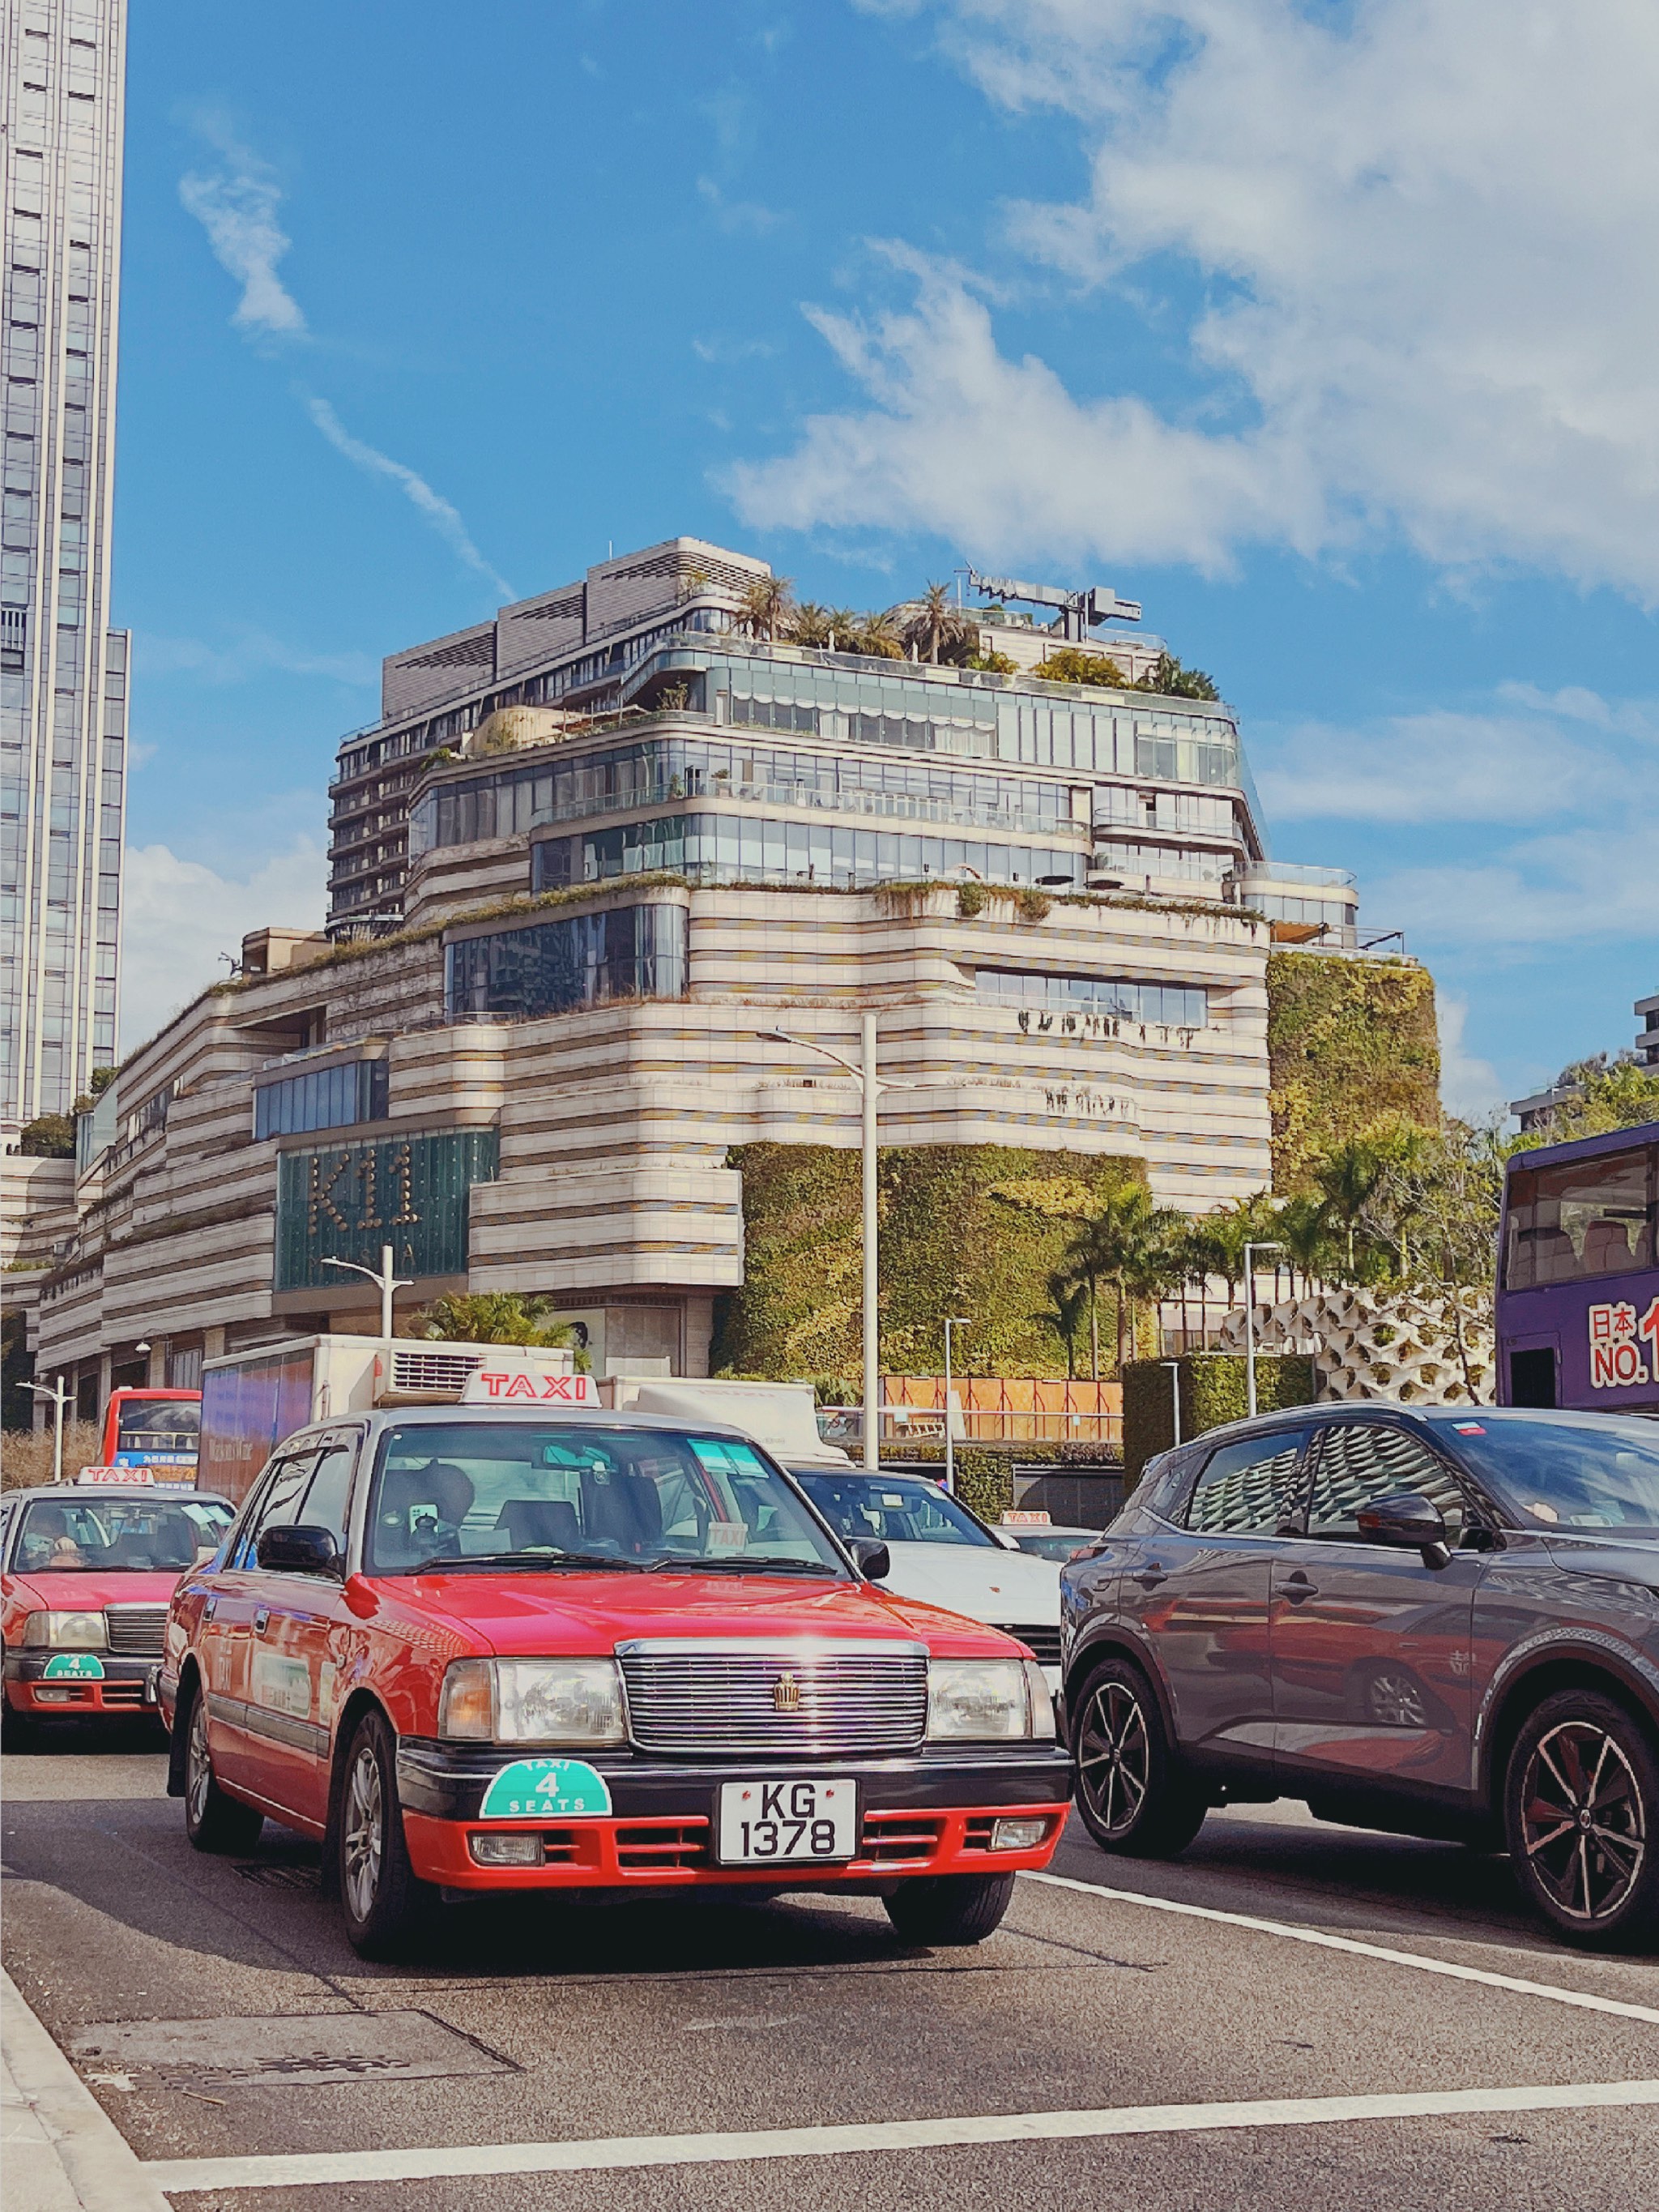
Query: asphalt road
670	2022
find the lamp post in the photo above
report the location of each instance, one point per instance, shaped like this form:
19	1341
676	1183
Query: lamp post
956	1321
1250	1250
869	1090
1174	1366
60	1398
383	1279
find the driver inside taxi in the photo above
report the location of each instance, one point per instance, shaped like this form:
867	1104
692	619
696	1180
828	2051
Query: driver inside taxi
50	1542
421	1510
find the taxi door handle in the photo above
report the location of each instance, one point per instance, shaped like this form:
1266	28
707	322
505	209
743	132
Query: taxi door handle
261	1621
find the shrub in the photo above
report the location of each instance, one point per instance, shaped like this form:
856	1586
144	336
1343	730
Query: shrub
1215	1389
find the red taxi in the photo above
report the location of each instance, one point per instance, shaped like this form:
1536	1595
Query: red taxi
474	1649
86	1571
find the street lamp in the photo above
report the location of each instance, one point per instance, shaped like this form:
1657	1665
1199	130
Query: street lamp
60	1398
1174	1366
383	1279
956	1321
869	1091
1250	1250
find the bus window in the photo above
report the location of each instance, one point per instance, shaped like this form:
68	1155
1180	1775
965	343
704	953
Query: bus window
1584	1219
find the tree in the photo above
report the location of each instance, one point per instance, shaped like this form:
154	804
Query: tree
1622	1095
494	1317
811	624
1064	1315
937	626
1068	663
1172	681
1348	1179
764	610
992	664
1132	1244
878	636
48	1137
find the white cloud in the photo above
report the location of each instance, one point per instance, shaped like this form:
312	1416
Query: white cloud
1470	1087
1442	766
180	916
1423	238
445	518
1537	897
738	215
237	206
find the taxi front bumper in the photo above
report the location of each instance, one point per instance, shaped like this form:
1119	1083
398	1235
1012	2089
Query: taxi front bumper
122	1686
936	1813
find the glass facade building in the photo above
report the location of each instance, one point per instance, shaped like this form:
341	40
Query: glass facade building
333	1098
63	673
730	848
559	967
1114	998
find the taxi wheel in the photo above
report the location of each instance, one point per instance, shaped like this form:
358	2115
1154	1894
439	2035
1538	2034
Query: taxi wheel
384	1899
940	1909
1133	1798
213	1821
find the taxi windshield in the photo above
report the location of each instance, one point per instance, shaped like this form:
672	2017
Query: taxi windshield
515	1494
130	1535
892	1509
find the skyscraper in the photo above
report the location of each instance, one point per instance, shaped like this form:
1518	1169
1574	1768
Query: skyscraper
63	673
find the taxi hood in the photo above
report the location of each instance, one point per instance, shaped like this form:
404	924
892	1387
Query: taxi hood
89	1589
985	1583
588	1613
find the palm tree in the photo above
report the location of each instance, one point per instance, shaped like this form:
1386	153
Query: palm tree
1064	1315
764	606
1349	1178
935	623
491	1317
811	624
877	635
843	628
1131	1244
1304	1228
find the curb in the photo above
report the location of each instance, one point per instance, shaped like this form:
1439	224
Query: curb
63	2151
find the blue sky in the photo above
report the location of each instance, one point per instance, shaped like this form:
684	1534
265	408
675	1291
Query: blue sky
1329	335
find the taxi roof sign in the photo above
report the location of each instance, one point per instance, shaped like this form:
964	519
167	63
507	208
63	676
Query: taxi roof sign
527	1386
115	1474
1020	1520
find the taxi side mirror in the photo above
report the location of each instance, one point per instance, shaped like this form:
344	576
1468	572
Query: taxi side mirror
302	1550
872	1558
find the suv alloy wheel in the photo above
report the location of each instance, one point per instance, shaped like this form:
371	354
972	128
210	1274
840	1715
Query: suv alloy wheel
384	1899
1581	1805
1131	1791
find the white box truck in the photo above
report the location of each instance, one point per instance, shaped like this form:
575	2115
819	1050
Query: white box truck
252	1400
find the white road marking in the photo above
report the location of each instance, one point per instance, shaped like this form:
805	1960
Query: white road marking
306	2169
1583	1999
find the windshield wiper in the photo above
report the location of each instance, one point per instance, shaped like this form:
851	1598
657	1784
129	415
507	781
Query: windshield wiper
753	1562
540	1559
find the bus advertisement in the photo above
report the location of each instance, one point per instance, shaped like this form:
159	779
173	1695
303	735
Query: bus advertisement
1578	1311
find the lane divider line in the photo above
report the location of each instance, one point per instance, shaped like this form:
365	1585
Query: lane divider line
1586	2000
306	2169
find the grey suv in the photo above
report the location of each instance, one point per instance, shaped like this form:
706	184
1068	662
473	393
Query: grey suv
1441	1622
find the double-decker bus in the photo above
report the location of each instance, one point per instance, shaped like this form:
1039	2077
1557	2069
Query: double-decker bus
1578	1275
154	1428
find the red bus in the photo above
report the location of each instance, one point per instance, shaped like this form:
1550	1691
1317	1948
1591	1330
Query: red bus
153	1428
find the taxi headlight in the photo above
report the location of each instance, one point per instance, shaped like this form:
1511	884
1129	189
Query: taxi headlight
553	1701
66	1632
977	1700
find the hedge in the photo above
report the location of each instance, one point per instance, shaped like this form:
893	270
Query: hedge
949	1245
1349	1042
1215	1389
985	1473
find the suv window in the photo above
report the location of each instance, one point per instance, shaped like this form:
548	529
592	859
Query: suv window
1246	1487
1365	1460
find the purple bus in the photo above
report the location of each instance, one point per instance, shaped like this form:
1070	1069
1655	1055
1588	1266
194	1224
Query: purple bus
1578	1275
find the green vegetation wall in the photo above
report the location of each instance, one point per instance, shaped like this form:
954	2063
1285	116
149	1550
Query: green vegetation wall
1215	1389
1349	1043
965	1229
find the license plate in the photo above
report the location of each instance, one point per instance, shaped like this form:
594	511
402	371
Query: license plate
808	1818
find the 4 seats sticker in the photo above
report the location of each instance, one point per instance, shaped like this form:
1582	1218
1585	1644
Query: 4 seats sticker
74	1666
546	1789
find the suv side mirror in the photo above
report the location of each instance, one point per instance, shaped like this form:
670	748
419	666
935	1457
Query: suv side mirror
1409	1521
303	1550
872	1558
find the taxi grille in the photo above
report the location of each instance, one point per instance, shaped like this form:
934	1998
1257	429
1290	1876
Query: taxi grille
137	1632
1041	1637
716	1700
